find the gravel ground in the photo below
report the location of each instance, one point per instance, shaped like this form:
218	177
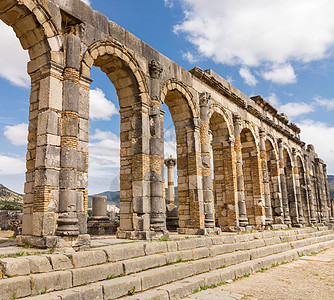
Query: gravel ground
305	279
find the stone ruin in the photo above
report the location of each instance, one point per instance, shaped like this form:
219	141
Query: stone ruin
264	175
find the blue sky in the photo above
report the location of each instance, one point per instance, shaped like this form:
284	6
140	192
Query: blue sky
282	50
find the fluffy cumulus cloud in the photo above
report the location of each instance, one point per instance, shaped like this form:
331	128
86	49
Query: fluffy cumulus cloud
17	134
248	77
316	133
295	109
100	107
104	160
11	165
260	33
291	109
281	74
13	59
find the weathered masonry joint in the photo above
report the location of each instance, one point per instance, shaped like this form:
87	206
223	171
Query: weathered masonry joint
262	174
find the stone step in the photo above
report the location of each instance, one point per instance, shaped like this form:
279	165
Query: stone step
186	249
182	288
156	275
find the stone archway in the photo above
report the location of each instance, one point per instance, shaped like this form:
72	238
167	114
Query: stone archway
292	205
274	182
225	183
185	116
135	177
303	191
37	33
253	186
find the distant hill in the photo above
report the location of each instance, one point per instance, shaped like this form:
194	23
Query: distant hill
10	200
331	185
112	198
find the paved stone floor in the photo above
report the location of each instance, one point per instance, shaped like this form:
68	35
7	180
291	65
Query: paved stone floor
308	278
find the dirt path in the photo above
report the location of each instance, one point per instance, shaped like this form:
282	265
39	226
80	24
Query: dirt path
301	279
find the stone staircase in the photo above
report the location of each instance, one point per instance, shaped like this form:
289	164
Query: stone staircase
155	270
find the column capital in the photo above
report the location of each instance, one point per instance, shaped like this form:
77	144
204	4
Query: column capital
262	132
237	119
204	98
155	69
170	162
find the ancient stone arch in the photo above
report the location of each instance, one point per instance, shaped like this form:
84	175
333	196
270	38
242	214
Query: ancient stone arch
224	168
264	174
185	115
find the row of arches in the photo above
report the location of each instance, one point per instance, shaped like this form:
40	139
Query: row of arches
258	181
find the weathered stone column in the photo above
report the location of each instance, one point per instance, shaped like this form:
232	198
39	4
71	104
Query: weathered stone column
170	163
313	217
330	216
158	207
329	202
265	178
206	162
295	176
172	211
285	200
69	197
276	193
237	122
99	206
322	190
197	217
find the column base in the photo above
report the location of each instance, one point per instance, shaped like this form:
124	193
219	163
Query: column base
243	222
198	231
279	226
45	242
141	235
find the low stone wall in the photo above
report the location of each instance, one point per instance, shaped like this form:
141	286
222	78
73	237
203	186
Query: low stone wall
6	215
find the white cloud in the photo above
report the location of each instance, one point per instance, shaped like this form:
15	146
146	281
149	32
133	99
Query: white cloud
11	165
273	100
17	134
104	161
170	142
281	74
328	103
86	1
104	152
316	133
13	59
260	32
189	57
248	77
100	107
295	109
291	109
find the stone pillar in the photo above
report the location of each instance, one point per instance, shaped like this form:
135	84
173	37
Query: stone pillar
69	197
99	207
265	178
237	122
322	190
285	200
206	162
170	163
310	194
295	175
329	202
172	211
158	207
